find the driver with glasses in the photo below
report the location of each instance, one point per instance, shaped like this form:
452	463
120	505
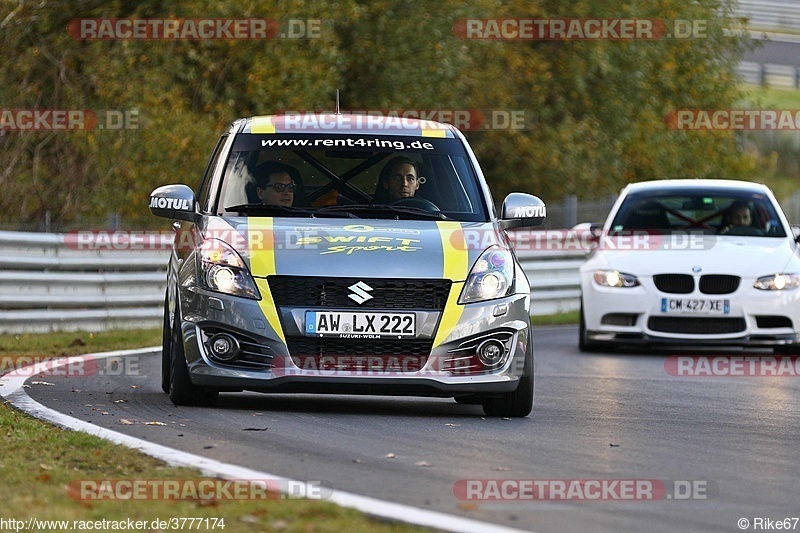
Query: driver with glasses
274	184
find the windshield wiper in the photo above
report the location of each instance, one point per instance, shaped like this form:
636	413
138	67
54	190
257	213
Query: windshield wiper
283	209
384	209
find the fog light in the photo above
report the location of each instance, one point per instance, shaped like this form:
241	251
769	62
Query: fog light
491	353
224	347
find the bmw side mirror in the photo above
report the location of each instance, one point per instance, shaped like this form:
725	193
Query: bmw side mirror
173	201
521	210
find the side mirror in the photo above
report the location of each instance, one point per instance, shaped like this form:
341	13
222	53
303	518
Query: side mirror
795	232
173	201
521	210
588	233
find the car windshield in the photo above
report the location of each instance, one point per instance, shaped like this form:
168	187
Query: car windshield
360	176
713	211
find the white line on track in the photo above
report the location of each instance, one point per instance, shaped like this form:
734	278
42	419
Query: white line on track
11	388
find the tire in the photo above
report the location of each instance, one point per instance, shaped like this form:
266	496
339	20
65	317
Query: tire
584	344
181	390
166	348
520	402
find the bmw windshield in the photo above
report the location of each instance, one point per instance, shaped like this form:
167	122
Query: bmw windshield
713	211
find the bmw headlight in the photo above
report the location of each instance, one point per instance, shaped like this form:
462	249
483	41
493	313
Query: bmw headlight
778	282
615	278
492	276
223	270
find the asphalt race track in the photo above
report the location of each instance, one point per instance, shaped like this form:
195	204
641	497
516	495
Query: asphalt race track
774	52
609	419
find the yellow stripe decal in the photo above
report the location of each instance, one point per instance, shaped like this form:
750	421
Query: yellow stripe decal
262	125
455	268
262	260
440	133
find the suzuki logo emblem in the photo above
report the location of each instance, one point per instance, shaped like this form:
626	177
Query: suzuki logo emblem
360	292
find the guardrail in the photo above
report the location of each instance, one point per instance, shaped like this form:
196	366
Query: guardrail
771	14
783	76
47	284
554	278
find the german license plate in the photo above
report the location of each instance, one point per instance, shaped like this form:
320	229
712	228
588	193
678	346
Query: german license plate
360	325
696	305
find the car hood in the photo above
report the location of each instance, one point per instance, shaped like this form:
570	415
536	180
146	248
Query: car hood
356	248
743	256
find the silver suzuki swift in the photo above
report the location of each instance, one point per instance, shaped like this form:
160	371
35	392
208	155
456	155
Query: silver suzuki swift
349	254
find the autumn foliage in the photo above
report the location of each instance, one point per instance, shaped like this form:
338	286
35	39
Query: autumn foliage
594	109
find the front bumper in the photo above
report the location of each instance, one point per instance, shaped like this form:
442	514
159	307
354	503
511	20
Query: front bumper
203	312
635	316
768	341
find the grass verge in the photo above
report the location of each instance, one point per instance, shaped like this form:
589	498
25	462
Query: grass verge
559	319
40	461
771	97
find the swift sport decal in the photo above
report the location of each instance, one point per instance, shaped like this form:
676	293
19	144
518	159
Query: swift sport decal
359	243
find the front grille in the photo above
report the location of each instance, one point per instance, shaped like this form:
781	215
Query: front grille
696	325
352	354
674	283
252	355
769	321
335	346
719	284
305	291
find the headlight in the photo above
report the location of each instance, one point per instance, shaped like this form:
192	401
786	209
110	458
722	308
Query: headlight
492	276
615	278
222	270
778	282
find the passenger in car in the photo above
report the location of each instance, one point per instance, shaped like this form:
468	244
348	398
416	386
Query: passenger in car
274	183
399	179
736	215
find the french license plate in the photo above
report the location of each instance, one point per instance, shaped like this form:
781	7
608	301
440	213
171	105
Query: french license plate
696	305
360	325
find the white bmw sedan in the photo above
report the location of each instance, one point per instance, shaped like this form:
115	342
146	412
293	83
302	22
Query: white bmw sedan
693	262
